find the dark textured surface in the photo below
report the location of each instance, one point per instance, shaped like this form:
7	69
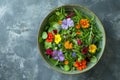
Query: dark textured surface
19	55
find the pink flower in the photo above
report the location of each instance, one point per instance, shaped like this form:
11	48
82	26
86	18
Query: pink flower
49	52
84	50
79	42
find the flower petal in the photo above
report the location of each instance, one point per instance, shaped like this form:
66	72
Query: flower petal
64	26
70	22
55	57
61	58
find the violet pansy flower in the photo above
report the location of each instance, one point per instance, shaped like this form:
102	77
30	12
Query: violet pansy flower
58	55
73	54
67	23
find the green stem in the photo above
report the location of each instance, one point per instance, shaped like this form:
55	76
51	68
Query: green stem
56	62
90	37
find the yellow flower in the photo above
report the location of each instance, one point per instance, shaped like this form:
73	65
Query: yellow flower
92	48
57	38
84	23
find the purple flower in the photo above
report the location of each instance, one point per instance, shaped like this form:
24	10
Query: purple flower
67	23
73	54
58	55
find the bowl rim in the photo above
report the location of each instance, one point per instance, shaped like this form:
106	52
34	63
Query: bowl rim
104	38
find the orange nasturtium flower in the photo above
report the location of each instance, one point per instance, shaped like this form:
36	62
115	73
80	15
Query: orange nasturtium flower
68	45
66	62
59	22
50	37
84	23
78	32
80	65
78	26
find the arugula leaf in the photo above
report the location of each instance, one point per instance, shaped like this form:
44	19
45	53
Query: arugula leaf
77	13
54	62
55	25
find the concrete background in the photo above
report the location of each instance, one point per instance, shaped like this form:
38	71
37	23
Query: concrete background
19	55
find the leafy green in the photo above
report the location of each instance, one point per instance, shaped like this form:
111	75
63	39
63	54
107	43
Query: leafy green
40	39
54	62
47	45
78	13
44	35
55	25
51	29
93	59
66	67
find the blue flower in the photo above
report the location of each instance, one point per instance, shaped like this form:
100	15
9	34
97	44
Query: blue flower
58	55
73	54
67	23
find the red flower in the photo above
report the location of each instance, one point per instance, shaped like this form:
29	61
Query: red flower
49	52
50	37
55	31
84	50
80	65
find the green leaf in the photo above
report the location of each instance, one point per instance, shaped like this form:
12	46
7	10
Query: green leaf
57	13
51	29
98	50
93	59
54	62
90	36
73	34
62	11
77	13
80	58
66	55
46	28
48	45
44	35
53	18
74	41
40	39
55	25
61	17
92	18
66	67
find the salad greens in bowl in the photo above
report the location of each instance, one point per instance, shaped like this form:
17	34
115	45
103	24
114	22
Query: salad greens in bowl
71	39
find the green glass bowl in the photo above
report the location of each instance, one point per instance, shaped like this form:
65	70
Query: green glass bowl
102	43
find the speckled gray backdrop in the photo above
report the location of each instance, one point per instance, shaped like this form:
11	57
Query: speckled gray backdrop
19	55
